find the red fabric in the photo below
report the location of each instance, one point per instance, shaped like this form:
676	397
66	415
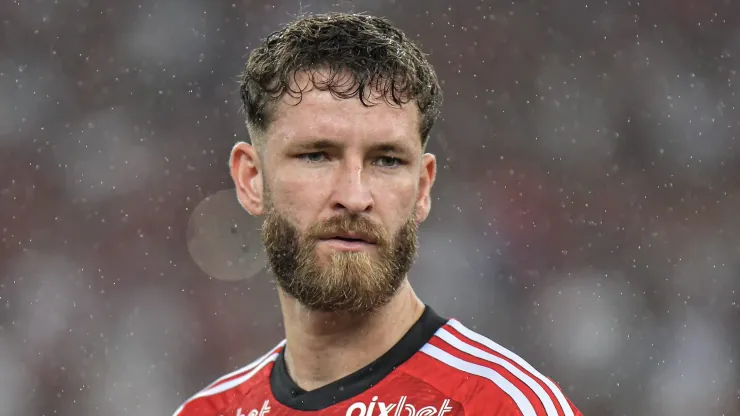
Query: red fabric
425	385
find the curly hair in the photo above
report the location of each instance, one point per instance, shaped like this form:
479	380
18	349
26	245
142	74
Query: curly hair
358	55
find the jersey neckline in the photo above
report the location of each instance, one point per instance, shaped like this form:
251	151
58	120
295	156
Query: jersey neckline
289	394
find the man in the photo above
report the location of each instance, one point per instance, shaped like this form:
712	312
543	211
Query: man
339	109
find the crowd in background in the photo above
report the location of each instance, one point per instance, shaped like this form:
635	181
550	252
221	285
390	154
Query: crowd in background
586	213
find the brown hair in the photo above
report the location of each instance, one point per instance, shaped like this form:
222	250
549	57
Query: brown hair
377	56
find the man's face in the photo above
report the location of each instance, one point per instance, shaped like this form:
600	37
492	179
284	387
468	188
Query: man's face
343	187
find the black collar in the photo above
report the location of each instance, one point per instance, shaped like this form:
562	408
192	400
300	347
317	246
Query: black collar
289	394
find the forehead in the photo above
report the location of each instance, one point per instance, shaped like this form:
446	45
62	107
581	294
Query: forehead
319	114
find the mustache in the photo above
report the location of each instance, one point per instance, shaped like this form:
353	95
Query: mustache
357	225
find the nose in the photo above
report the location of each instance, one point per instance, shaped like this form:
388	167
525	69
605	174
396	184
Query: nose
351	189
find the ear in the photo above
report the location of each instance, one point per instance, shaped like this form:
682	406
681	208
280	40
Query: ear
246	171
427	174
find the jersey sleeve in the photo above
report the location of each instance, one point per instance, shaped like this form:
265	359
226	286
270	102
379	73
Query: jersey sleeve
212	399
195	408
483	404
517	388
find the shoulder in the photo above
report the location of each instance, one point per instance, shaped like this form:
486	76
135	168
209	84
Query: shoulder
483	375
226	386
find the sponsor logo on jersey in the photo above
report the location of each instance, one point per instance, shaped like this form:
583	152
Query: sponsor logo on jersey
256	412
398	408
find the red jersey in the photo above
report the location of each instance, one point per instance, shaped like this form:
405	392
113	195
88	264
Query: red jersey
438	368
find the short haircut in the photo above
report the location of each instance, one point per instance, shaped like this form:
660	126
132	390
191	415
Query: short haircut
374	53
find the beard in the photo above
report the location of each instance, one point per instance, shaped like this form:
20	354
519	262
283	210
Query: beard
355	282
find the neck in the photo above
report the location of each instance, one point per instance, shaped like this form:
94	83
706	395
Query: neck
323	347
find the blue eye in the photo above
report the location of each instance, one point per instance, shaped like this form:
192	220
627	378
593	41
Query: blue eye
314	157
388	162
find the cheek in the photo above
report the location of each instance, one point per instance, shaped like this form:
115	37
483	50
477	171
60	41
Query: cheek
396	202
298	200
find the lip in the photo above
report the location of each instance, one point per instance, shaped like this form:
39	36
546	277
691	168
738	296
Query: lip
346	245
344	236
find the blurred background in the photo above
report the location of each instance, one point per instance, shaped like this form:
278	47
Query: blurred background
586	213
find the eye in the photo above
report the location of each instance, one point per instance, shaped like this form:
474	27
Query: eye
389	162
313	157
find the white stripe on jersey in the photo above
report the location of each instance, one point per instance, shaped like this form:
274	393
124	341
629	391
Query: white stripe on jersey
229	384
215	388
526	379
237	381
515	358
246	367
519	398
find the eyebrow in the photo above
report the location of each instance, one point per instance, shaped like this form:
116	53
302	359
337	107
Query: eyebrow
390	147
324	144
317	144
